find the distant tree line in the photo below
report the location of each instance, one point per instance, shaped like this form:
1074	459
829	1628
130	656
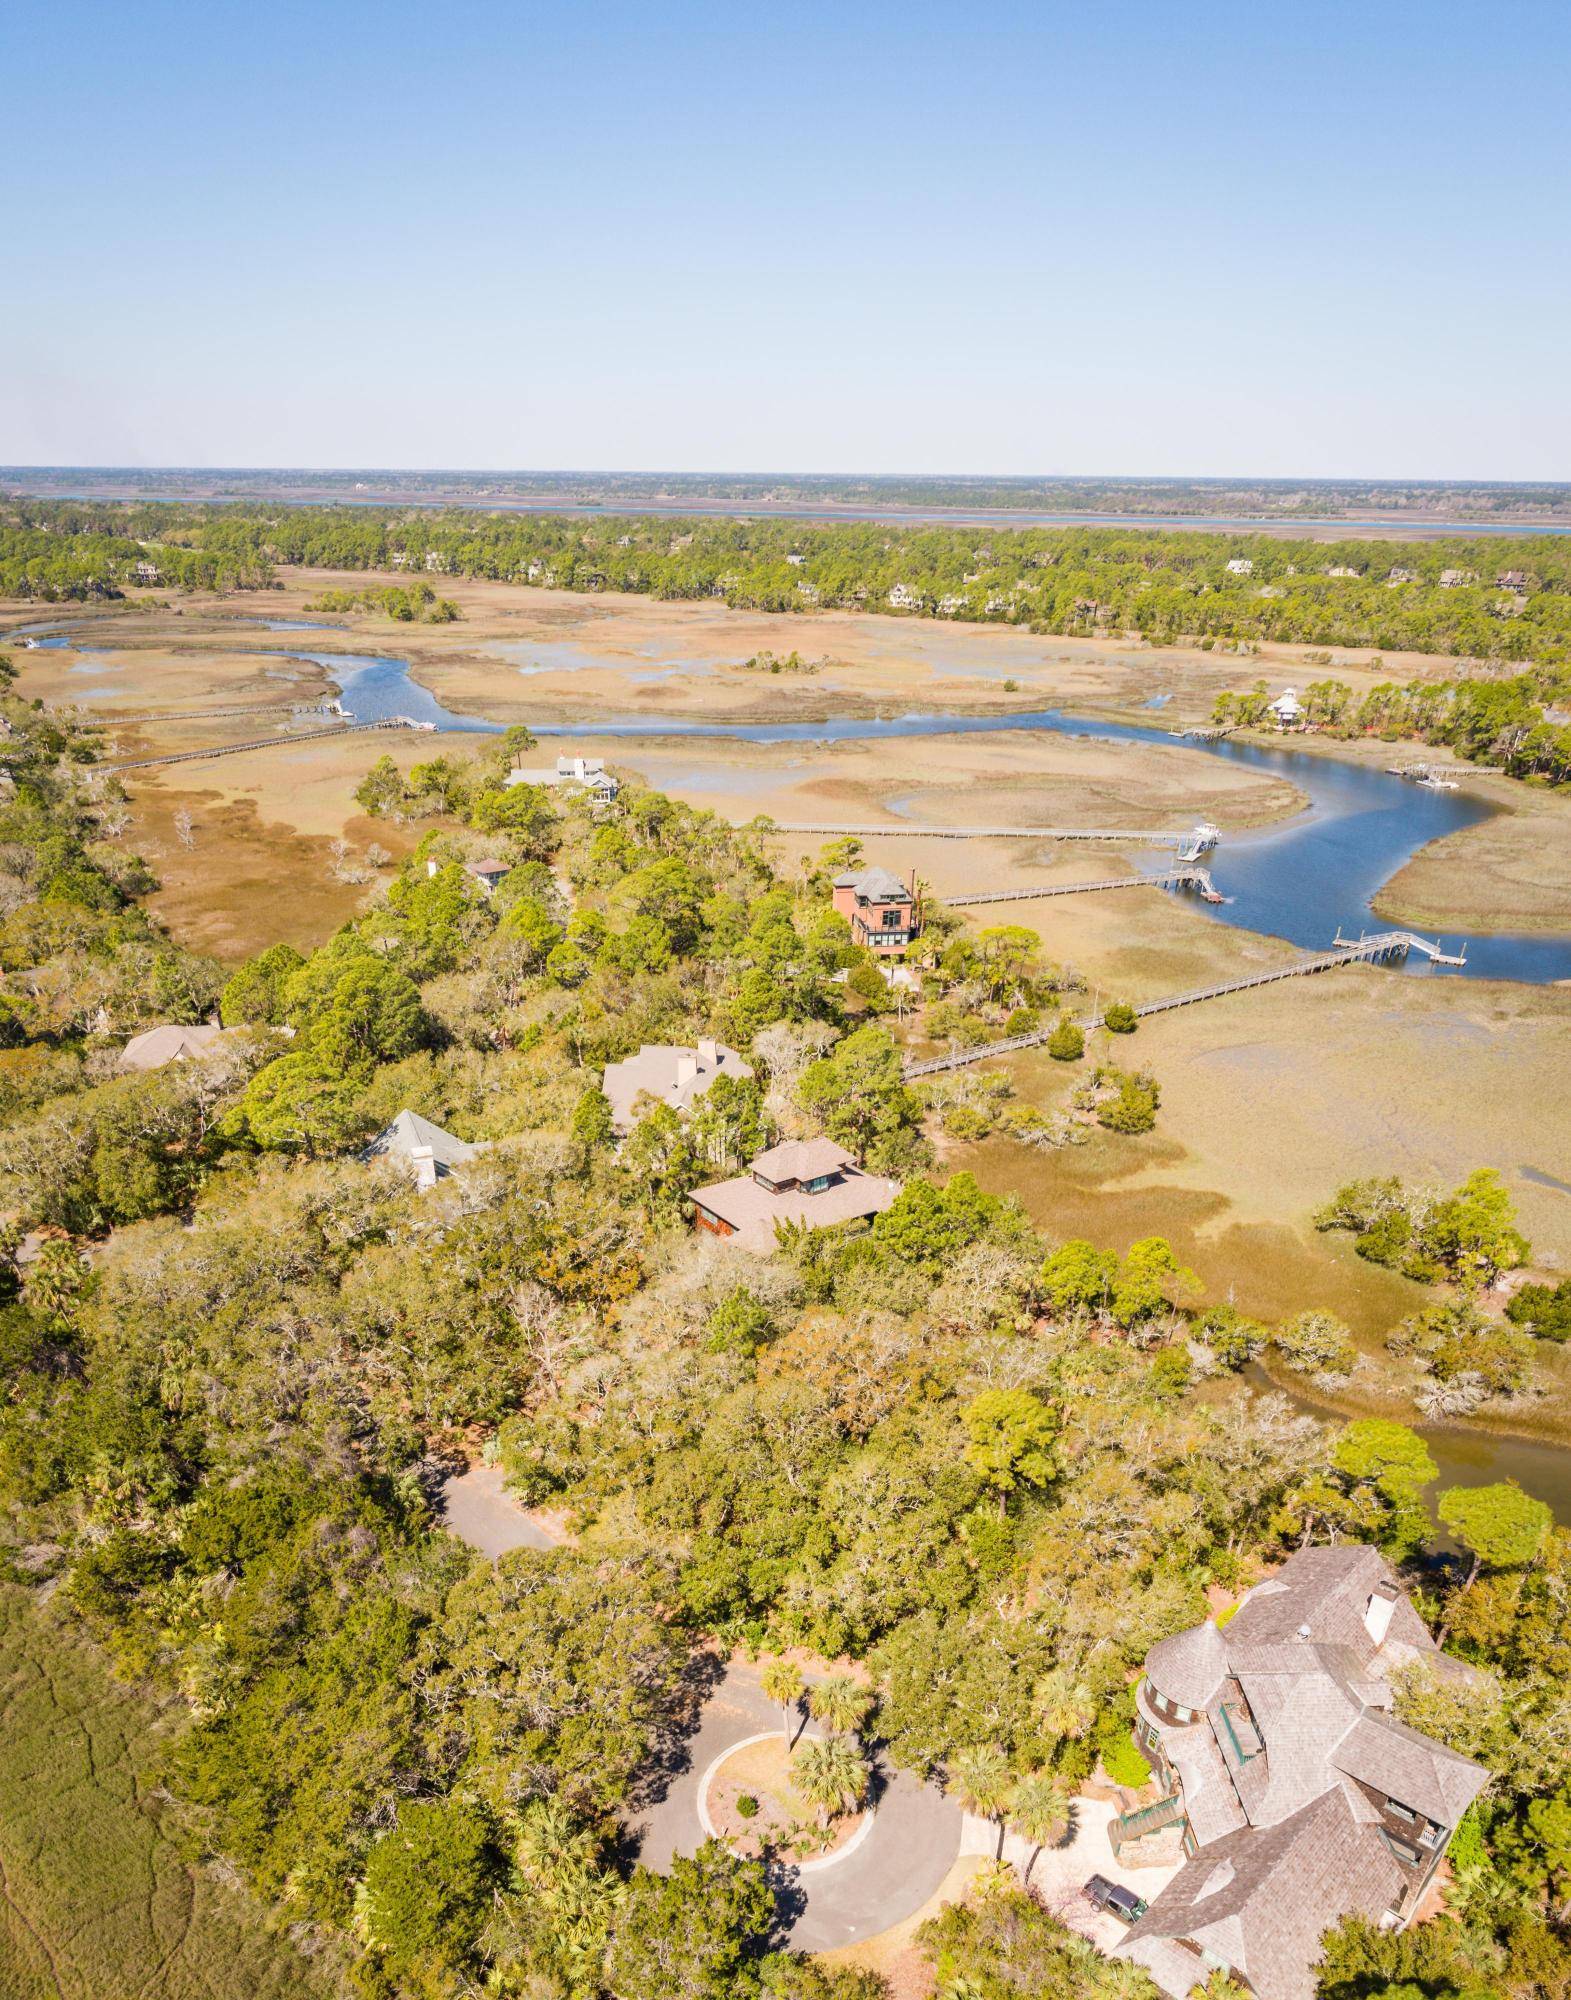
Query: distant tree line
1468	597
1241	499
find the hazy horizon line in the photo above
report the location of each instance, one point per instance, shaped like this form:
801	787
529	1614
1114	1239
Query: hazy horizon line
740	473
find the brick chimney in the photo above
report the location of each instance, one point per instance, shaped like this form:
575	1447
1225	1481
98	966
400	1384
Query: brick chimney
708	1054
686	1069
425	1166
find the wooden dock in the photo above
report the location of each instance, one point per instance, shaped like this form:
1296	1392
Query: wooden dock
1185	876
1191	841
1379	947
267	743
299	708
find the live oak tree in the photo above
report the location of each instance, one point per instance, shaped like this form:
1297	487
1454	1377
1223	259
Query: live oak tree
428	1887
1011	1435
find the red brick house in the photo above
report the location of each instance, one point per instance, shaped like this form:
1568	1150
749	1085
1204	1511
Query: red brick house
883	913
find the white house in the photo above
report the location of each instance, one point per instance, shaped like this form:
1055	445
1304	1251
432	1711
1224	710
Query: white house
904	598
587	773
1240	566
796	561
1287	709
484	873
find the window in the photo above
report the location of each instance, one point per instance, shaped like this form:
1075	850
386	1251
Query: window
1400	1811
1408	1855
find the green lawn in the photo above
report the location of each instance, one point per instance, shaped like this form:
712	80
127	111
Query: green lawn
96	1901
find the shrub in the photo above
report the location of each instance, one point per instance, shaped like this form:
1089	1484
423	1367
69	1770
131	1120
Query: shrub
1067	1042
1123	1760
1543	1310
1317	1343
746	1806
1121	1018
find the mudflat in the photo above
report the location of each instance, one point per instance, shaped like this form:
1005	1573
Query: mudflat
1269	1098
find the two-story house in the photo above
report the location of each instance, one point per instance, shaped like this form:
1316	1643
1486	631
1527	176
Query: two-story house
883	913
811	1181
1299	1797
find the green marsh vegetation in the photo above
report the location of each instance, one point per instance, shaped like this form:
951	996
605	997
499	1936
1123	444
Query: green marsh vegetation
236	1362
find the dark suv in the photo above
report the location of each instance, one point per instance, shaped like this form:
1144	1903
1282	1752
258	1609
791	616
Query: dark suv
1114	1897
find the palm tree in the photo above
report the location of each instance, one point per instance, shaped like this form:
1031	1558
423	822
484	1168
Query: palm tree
782	1682
979	1778
830	1774
1039	1812
1067	1706
839	1703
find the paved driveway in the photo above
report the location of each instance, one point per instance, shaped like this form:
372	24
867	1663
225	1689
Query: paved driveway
478	1509
913	1840
1061	1872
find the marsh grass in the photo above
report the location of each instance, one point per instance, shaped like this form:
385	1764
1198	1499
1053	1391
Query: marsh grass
97	1900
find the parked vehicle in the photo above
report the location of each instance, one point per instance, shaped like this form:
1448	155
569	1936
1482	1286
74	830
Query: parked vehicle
1115	1899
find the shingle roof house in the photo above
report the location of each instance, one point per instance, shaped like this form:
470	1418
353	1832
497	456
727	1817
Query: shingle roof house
1300	1796
676	1076
430	1151
155	1047
805	1180
884	914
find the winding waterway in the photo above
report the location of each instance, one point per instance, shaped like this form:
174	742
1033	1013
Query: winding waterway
1299	881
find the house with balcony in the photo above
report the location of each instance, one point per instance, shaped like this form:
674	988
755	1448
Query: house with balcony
808	1181
1295	1795
883	913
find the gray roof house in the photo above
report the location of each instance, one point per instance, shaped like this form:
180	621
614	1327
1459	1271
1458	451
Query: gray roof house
1298	1796
674	1076
430	1152
155	1048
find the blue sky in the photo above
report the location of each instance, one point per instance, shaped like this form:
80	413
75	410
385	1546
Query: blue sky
1119	238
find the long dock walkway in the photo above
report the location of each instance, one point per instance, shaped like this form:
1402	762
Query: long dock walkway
266	743
1382	945
1185	876
211	714
1191	841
